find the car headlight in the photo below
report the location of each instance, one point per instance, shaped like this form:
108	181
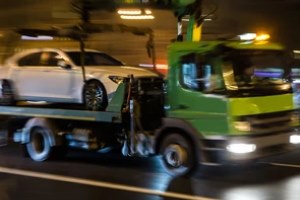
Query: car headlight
116	79
241	148
242	126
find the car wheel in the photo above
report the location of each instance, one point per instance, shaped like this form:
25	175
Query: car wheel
178	157
6	93
95	96
38	147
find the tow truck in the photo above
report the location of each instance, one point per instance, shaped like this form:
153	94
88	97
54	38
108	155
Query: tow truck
204	111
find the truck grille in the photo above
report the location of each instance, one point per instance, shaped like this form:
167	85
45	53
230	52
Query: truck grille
270	123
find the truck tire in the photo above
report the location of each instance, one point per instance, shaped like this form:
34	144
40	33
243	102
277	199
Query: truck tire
39	147
178	157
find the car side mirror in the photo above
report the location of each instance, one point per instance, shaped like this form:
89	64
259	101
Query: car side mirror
63	64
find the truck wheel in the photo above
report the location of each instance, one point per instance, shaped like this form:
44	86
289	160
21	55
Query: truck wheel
178	157
94	95
38	147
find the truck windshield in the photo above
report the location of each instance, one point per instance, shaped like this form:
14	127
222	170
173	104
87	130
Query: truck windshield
237	73
260	72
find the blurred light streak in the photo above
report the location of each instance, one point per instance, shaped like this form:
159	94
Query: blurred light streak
148	12
296	51
160	66
134	11
129	11
41	37
247	36
137	17
262	37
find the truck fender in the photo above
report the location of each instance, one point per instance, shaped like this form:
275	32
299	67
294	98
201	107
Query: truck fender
185	128
45	123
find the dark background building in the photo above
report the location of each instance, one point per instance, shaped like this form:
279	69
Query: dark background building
277	17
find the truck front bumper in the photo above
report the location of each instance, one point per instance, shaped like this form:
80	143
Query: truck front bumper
236	149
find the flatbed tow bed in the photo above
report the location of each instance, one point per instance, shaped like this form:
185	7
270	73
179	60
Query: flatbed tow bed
47	130
58	113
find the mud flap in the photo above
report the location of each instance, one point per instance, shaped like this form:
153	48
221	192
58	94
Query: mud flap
126	147
142	146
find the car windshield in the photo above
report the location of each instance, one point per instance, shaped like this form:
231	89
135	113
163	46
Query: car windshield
93	59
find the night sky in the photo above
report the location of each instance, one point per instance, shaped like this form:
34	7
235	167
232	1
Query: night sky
280	18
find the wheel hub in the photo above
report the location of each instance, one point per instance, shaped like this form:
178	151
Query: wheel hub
175	155
94	97
38	143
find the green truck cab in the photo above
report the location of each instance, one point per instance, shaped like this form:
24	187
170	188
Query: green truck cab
226	102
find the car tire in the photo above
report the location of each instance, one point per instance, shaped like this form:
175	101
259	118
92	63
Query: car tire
94	96
39	147
7	96
178	156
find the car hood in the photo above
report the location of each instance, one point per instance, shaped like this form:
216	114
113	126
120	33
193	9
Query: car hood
120	71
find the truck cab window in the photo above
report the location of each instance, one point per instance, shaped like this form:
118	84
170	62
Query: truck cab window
255	67
189	76
200	76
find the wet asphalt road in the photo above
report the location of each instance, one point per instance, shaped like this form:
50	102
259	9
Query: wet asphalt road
93	176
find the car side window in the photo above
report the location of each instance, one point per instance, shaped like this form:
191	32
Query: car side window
45	58
93	59
103	59
30	60
48	58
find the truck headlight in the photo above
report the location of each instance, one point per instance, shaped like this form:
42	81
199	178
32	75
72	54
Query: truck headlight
295	139
242	125
241	148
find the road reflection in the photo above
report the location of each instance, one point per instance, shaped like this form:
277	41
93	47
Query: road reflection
274	179
287	189
6	185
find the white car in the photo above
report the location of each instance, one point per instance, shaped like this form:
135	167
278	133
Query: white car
55	75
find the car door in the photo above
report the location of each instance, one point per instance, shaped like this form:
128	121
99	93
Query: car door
38	77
